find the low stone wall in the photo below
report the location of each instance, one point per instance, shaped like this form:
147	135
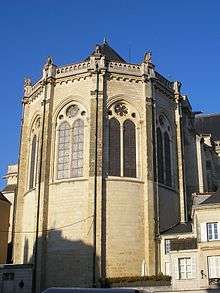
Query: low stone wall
16	278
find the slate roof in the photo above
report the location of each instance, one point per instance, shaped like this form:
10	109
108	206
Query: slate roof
3	198
213	199
179	228
108	52
208	124
10	188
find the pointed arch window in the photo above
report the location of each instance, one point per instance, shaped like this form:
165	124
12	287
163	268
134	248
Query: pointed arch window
70	142
63	159
33	162
114	148
164	154
129	149
122	148
160	156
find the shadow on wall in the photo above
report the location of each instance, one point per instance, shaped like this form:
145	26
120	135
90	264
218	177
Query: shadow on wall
67	263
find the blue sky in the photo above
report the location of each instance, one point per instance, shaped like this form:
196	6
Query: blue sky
184	37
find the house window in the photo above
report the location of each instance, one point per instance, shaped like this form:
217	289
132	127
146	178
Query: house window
167	246
212	231
214	267
122	153
185	268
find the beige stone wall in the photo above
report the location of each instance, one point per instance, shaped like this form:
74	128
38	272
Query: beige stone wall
9	192
126	207
4	228
194	281
125	223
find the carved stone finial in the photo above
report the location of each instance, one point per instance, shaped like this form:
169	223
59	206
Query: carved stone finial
49	61
27	82
177	87
148	57
105	41
97	49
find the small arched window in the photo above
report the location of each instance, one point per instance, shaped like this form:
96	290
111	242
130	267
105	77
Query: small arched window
77	149
114	148
160	156
129	149
33	162
63	159
167	153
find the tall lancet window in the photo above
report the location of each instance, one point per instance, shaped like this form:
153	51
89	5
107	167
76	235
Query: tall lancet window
122	140
129	149
70	142
33	153
160	156
164	151
33	162
63	160
77	149
167	153
114	148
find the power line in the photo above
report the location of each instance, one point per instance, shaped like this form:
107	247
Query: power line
52	229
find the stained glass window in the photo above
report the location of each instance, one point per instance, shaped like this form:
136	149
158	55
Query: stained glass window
160	156
33	162
114	147
72	111
129	149
167	159
63	159
77	149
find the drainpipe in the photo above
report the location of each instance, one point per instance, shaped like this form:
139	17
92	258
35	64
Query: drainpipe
34	281
157	208
95	179
183	162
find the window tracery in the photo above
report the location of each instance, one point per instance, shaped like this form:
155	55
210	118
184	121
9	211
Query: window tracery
164	151
70	142
122	140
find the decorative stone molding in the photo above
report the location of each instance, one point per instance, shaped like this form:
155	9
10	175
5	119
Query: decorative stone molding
72	69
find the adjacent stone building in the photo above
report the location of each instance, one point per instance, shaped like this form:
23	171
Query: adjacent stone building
4	227
107	164
190	252
9	192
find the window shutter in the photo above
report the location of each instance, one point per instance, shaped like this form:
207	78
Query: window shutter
176	268
218	227
203	232
193	262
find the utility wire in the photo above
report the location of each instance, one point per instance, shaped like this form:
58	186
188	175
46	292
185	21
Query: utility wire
52	229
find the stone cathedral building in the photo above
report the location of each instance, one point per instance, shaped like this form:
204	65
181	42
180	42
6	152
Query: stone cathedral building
107	163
